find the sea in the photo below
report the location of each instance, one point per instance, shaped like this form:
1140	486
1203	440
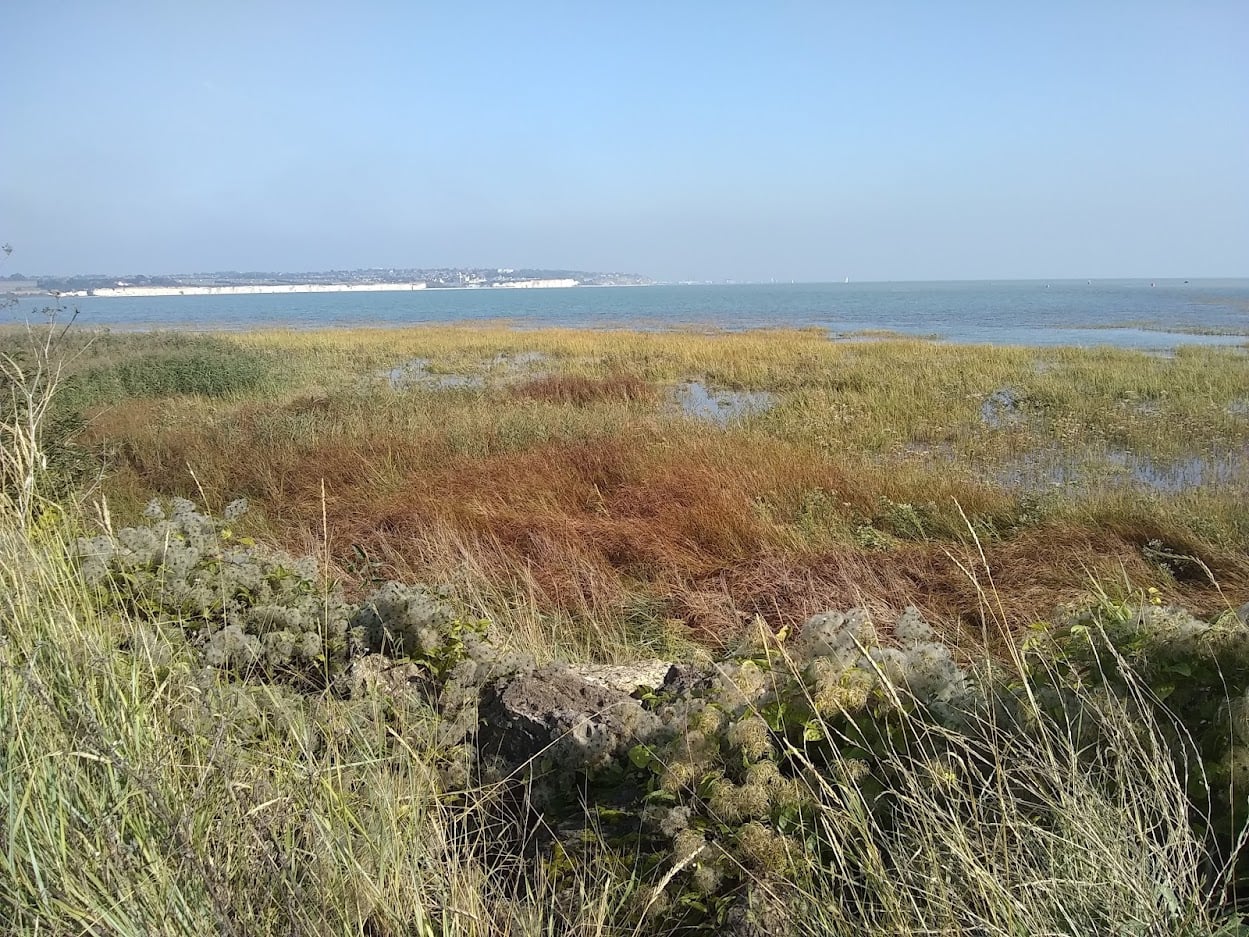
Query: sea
1146	314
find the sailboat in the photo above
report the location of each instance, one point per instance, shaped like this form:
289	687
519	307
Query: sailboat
847	279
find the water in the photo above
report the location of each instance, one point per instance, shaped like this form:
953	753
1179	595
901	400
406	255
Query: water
416	372
1001	409
720	406
1127	313
1049	468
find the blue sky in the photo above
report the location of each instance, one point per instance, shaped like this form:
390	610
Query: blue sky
684	140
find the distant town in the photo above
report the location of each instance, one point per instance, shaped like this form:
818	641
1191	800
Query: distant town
372	280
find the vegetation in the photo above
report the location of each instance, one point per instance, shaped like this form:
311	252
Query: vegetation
549	476
244	725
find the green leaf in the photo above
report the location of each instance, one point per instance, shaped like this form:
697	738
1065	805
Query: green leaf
640	755
660	796
774	715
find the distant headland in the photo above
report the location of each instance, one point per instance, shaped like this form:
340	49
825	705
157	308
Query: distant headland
335	281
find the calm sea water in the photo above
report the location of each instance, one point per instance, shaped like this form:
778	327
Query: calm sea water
1132	313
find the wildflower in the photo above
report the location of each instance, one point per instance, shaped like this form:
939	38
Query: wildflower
706	878
731	803
675	820
677	776
751	736
687	844
942	772
235	509
709	720
763	774
761	848
912	628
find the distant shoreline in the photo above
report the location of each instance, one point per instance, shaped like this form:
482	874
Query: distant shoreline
289	288
246	290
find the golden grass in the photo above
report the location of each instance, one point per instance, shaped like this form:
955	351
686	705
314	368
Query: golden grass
147	793
581	391
574	486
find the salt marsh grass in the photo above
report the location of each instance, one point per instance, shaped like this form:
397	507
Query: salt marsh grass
567	470
143	790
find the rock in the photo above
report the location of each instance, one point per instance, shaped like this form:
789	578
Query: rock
625	677
684	680
381	674
557	715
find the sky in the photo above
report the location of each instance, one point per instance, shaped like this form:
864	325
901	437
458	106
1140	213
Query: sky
679	140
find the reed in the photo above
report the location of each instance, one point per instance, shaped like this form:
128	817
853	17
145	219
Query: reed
142	791
559	460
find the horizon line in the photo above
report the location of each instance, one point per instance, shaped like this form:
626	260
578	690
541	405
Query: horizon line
656	281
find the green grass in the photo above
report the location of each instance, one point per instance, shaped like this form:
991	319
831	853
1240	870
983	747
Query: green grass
142	792
1067	462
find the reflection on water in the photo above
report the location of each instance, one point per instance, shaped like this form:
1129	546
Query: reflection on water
417	371
1000	409
518	360
721	406
1050	468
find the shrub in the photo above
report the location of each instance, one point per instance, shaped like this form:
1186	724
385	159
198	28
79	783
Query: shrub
210	367
1193	676
250	609
417	623
853	775
865	777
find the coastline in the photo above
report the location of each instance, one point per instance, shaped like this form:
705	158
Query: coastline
247	290
289	288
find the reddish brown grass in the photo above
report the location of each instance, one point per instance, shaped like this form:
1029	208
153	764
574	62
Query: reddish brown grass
694	523
586	522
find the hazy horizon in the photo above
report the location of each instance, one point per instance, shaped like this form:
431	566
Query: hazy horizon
715	141
656	281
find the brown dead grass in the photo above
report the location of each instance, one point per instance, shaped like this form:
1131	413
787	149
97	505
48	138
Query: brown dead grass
1017	581
586	522
697	525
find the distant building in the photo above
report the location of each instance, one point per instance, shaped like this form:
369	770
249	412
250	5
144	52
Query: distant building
537	284
244	290
19	287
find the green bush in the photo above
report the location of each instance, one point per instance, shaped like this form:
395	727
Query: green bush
209	367
1193	676
863	778
250	609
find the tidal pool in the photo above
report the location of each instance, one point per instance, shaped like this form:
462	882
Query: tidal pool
416	372
723	407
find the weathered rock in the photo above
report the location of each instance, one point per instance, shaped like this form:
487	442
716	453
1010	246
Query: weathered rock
684	679
382	674
559	716
625	677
